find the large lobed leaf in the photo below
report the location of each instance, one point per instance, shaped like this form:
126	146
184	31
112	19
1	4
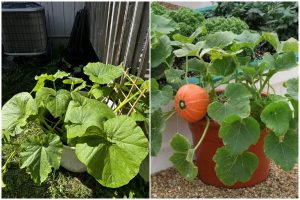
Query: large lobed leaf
161	97
238	134
43	77
40	154
277	117
224	66
220	39
237	103
158	124
83	113
182	157
283	151
102	73
161	51
55	101
292	87
113	155
232	168
16	111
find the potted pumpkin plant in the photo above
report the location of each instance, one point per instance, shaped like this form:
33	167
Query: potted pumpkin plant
98	125
223	91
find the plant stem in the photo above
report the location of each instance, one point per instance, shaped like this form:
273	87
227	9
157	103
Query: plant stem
8	160
271	88
204	133
54	85
265	82
170	115
186	70
167	64
212	89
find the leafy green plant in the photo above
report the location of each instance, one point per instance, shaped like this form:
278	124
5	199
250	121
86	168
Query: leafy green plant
240	108
280	17
188	20
217	24
106	122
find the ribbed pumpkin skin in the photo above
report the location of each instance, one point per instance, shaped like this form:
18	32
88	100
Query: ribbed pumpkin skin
196	101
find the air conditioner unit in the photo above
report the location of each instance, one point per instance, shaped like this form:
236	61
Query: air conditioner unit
23	29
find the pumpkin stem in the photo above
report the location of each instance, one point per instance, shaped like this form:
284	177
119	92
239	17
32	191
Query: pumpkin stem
182	104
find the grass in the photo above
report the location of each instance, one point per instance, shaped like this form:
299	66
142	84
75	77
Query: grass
61	183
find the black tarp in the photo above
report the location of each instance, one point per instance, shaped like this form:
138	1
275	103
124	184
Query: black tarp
80	51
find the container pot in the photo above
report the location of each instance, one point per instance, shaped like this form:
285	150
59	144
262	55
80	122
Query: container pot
208	148
70	162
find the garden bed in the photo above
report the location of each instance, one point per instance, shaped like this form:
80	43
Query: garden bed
169	184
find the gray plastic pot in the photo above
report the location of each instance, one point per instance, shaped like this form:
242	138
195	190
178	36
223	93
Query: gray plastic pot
70	162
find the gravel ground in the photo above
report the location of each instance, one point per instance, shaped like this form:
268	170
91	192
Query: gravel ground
279	184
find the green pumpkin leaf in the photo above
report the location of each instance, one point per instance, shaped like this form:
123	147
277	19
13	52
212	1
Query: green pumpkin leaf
158	124
40	154
73	80
144	169
80	87
219	39
285	61
283	151
182	157
181	38
173	76
154	84
161	97
237	103
97	92
232	168
83	113
60	75
246	39
197	66
16	111
162	24
189	49
272	38
292	88
223	67
102	73
238	134
161	52
113	156
269	61
291	45
43	77
277	117
41	81
55	101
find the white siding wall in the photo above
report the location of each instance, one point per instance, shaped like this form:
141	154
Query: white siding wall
60	17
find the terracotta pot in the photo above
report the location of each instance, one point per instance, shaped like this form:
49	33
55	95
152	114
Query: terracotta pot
208	148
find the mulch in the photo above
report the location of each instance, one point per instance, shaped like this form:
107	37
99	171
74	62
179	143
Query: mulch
279	184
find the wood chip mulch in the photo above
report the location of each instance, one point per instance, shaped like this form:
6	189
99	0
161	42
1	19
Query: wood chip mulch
169	184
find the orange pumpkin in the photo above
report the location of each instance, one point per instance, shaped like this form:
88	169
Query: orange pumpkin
191	102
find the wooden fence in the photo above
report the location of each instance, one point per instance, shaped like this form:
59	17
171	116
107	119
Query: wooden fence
119	33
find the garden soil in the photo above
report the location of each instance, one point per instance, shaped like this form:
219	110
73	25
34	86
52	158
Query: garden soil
279	184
